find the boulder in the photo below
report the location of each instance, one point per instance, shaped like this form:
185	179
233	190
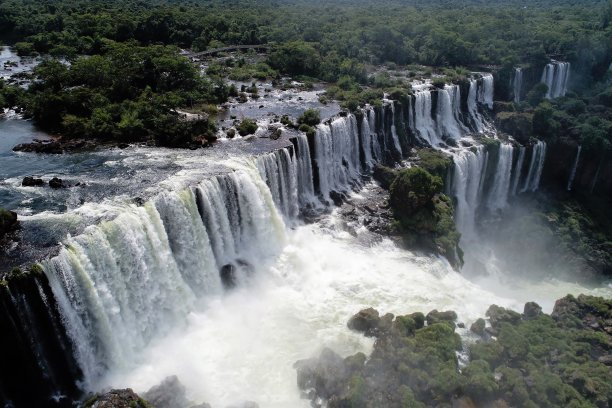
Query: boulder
448	316
498	314
8	222
32	182
365	321
170	393
478	327
531	310
56	183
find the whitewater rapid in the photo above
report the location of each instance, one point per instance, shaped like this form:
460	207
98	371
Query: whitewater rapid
241	346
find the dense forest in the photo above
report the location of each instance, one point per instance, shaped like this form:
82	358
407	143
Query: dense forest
338	43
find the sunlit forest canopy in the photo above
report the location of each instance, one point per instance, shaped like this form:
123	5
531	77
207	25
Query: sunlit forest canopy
428	32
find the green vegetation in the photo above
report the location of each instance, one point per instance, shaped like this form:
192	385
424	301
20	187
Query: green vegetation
310	117
534	360
247	127
424	214
126	93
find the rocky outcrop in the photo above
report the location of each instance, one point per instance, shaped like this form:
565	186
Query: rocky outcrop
534	360
425	214
8	222
32	182
125	398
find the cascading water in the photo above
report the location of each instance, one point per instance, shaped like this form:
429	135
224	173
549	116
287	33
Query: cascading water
555	76
516	176
337	155
536	165
572	176
447	113
498	196
376	150
476	119
470	166
517	84
124	282
423	122
396	142
485	91
304	172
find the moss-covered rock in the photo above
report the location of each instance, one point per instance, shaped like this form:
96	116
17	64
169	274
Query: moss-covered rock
8	222
517	124
535	361
435	162
424	214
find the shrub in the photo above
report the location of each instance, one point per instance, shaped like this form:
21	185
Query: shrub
310	117
247	127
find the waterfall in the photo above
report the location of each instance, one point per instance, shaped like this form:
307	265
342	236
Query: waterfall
469	168
123	282
423	122
476	119
536	165
396	142
376	150
516	177
555	76
517	84
447	113
366	142
337	155
498	196
279	171
304	172
570	181
485	92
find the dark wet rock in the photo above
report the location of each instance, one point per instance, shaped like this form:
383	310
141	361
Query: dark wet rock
49	148
210	138
365	321
228	276
123	145
56	183
231	133
170	393
461	325
125	398
139	201
478	327
336	197
32	182
531	310
587	312
275	135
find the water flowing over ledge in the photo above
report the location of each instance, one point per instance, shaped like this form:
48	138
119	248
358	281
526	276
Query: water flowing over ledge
131	279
